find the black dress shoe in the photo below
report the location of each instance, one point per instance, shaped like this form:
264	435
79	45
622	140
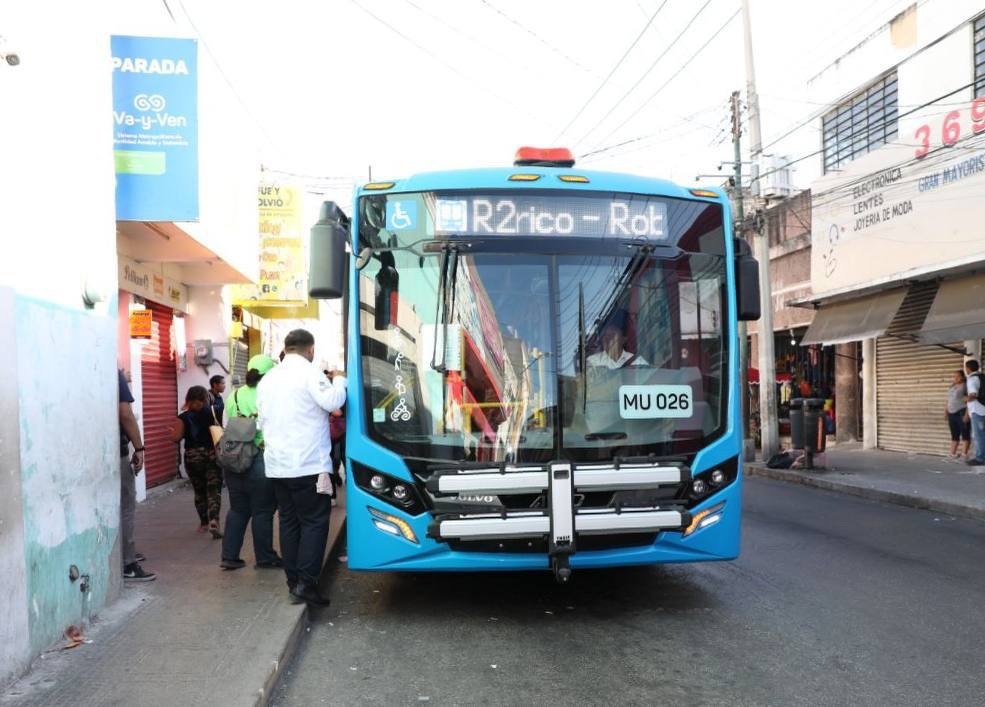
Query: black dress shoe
311	595
275	563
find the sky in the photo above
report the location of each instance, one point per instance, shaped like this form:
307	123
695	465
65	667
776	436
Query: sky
333	89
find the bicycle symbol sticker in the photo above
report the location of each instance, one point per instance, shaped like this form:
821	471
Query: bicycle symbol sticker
401	215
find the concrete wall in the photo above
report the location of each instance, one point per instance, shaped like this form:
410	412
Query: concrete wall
58	225
13	568
209	317
848	384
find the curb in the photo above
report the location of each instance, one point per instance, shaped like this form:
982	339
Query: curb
872	494
296	636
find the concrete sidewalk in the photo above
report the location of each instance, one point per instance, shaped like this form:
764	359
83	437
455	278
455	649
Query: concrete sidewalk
195	636
916	480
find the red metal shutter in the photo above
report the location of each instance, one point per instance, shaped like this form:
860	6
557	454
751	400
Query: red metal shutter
160	398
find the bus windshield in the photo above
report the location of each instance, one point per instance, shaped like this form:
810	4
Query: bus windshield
535	343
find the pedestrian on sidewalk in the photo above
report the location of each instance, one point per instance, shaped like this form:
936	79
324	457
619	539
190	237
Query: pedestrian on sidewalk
216	406
190	426
130	466
976	410
294	401
251	494
957	410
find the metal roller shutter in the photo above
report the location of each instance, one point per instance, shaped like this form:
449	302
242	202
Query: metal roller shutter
160	398
912	381
239	354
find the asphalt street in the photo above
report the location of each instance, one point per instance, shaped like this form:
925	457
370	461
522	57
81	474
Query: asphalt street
834	601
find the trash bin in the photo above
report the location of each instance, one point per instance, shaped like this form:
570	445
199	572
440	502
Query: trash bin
797	423
814	431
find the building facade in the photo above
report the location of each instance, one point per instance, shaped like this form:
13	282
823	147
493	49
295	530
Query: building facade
75	270
898	249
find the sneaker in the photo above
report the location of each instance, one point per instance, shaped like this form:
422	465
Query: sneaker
140	557
975	462
135	573
232	564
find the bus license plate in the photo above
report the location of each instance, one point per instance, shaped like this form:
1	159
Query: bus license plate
645	402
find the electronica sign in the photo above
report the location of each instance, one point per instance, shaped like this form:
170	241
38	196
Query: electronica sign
531	215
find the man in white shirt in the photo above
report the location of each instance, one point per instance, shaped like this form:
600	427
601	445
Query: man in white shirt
976	410
293	404
613	355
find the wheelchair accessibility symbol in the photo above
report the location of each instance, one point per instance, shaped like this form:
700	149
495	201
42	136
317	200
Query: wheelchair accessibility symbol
401	215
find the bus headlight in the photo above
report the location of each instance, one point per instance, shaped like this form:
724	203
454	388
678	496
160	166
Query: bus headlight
397	492
705	518
392	525
713	480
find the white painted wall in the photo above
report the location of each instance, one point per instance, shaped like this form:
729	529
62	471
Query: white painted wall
209	317
58	226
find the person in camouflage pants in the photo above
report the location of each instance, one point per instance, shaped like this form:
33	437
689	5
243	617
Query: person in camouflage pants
206	479
200	463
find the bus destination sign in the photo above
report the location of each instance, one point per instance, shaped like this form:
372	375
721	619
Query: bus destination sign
592	217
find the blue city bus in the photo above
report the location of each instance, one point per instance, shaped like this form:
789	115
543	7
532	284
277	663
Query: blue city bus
543	368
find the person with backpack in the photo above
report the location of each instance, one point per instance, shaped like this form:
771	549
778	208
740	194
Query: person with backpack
976	410
251	493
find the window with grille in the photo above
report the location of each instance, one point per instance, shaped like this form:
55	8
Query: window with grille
979	49
861	124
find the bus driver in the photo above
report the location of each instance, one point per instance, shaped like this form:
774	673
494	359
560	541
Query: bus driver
613	355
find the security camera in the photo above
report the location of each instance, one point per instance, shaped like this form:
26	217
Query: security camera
10	57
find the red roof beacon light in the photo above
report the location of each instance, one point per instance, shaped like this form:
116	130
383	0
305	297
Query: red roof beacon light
544	157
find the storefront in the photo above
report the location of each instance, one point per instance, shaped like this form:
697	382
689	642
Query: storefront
898	263
152	356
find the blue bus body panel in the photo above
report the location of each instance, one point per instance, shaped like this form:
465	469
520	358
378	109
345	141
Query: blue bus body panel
371	549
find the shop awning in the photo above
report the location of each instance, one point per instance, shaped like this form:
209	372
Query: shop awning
958	312
854	320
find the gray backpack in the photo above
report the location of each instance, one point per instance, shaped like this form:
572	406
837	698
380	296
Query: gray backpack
235	451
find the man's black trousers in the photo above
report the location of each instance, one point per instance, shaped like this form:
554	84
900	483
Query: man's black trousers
304	516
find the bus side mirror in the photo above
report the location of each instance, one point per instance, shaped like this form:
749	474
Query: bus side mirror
327	268
747	303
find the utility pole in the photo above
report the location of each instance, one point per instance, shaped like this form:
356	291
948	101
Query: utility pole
767	361
740	214
740	217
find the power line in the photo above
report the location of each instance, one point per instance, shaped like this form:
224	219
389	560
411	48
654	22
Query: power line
665	136
646	73
673	76
613	71
536	36
868	131
225	77
454	69
471	37
168	8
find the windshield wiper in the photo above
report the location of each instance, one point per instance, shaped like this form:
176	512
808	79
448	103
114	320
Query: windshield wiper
447	280
582	353
439	303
